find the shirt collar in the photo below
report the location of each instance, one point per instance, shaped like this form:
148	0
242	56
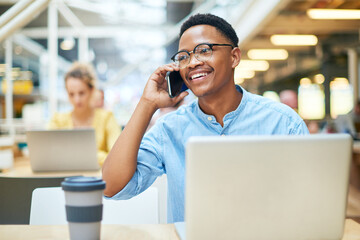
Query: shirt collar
241	106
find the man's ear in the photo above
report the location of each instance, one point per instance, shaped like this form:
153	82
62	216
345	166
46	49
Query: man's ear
236	57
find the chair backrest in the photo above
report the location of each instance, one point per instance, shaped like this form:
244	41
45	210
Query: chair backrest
15	197
161	185
48	208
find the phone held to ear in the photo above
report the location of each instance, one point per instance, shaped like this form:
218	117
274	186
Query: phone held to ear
175	83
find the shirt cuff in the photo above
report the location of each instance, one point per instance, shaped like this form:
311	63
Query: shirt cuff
128	191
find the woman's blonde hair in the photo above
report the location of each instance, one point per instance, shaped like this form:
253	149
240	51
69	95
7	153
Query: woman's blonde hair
83	71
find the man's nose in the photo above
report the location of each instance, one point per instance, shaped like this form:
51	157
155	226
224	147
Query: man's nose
194	61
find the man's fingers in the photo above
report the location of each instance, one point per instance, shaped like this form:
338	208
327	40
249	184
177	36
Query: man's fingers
180	97
167	68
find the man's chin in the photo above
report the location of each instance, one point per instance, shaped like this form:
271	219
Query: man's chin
200	92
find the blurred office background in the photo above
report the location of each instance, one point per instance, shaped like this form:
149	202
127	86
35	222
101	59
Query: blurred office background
308	46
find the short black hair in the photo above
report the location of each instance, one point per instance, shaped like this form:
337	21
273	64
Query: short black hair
209	19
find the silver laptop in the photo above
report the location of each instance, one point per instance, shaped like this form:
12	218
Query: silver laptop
267	187
62	150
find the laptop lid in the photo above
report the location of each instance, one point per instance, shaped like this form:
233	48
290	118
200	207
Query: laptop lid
267	187
62	150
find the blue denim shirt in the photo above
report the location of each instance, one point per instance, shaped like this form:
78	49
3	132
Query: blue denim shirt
162	150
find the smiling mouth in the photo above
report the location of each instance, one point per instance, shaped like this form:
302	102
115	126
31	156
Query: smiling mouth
198	75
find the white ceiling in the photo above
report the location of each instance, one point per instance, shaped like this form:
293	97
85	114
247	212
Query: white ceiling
132	28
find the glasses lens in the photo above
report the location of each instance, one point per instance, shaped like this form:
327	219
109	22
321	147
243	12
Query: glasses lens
182	59
203	52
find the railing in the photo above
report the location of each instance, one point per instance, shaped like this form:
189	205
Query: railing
17	127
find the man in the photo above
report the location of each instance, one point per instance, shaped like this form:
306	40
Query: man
206	60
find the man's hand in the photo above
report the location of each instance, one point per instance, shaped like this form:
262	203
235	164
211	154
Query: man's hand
155	91
121	162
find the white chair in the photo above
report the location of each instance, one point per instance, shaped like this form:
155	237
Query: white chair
161	184
48	208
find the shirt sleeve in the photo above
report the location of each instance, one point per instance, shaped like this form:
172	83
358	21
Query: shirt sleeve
149	165
54	122
300	129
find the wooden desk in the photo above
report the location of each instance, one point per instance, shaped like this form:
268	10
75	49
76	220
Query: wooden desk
158	232
353	204
356	146
22	168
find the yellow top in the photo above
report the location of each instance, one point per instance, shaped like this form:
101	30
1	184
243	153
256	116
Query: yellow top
106	129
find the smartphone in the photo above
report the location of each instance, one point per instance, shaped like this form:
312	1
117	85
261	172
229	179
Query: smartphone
175	83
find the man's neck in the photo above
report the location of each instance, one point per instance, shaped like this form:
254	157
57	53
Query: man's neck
221	103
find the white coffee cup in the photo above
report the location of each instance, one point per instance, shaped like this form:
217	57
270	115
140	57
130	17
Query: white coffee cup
83	203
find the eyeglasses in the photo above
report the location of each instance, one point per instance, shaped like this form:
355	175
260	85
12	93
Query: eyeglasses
202	52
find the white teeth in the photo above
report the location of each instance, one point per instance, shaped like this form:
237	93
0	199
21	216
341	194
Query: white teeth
198	75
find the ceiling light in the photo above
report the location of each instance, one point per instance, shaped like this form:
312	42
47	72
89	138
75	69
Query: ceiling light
239	81
239	73
268	54
305	82
272	95
67	44
342	80
317	13
293	40
254	65
339	83
319	78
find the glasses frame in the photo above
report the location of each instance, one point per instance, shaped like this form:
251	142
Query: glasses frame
211	45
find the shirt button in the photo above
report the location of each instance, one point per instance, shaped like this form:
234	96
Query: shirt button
209	118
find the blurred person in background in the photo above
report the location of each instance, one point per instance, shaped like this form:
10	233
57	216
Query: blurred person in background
313	126
289	97
98	98
80	86
207	57
350	122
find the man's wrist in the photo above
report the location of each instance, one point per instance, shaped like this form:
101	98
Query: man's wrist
149	105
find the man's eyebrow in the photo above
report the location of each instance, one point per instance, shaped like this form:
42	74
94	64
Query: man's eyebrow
179	50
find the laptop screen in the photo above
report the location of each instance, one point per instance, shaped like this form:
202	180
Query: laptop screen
62	150
267	187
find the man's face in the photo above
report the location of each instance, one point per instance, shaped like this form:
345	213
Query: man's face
207	77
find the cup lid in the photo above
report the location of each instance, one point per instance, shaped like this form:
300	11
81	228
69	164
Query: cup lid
82	184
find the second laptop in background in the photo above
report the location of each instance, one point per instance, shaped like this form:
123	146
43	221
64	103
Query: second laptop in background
62	150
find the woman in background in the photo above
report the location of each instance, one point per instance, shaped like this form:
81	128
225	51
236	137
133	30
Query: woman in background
80	86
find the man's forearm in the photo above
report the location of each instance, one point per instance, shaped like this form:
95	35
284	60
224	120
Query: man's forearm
120	164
